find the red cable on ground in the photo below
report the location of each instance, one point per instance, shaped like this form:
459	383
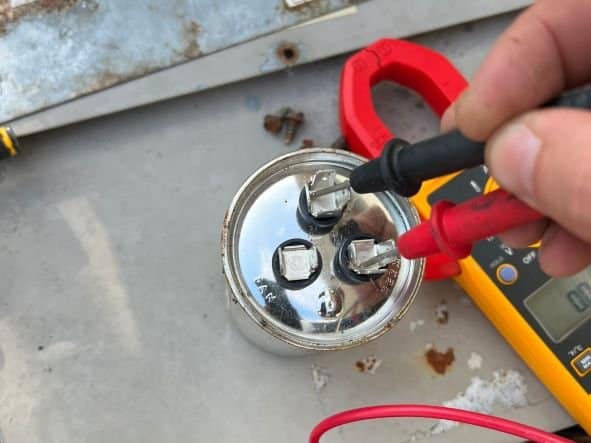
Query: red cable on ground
438	412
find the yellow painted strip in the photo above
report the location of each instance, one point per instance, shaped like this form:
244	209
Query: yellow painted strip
7	142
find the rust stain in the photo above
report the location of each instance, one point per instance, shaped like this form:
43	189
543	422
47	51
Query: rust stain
108	78
190	32
368	364
288	53
105	79
385	283
307	143
192	50
8	14
440	361
55	5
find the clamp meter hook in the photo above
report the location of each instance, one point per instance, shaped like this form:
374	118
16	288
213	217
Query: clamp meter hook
416	67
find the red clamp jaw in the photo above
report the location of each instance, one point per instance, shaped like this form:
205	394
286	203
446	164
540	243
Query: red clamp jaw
416	67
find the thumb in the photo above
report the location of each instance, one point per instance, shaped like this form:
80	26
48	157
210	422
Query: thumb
544	158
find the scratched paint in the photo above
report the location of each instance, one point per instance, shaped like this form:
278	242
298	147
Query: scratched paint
56	50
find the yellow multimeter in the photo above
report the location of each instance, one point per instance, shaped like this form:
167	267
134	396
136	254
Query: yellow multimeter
546	320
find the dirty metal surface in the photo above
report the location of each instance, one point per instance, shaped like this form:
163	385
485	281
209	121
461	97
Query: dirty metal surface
56	50
334	33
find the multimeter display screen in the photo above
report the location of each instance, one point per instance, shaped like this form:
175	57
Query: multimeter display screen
562	304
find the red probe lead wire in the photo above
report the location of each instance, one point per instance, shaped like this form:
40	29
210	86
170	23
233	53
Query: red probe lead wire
439	412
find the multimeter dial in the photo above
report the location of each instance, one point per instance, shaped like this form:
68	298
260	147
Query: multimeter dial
559	310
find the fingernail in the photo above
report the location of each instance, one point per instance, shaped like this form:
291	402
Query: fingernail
512	156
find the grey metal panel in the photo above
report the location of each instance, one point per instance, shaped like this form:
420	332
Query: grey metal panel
61	49
343	31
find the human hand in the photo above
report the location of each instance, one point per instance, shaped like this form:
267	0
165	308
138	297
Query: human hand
541	156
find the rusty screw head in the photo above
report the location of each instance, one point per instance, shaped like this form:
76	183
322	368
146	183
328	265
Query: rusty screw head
294	121
273	123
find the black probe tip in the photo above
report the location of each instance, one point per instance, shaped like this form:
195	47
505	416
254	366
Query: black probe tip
368	178
383	173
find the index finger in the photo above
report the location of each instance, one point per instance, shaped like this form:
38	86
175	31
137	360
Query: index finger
542	53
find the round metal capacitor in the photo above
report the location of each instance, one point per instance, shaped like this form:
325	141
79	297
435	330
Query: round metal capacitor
323	309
